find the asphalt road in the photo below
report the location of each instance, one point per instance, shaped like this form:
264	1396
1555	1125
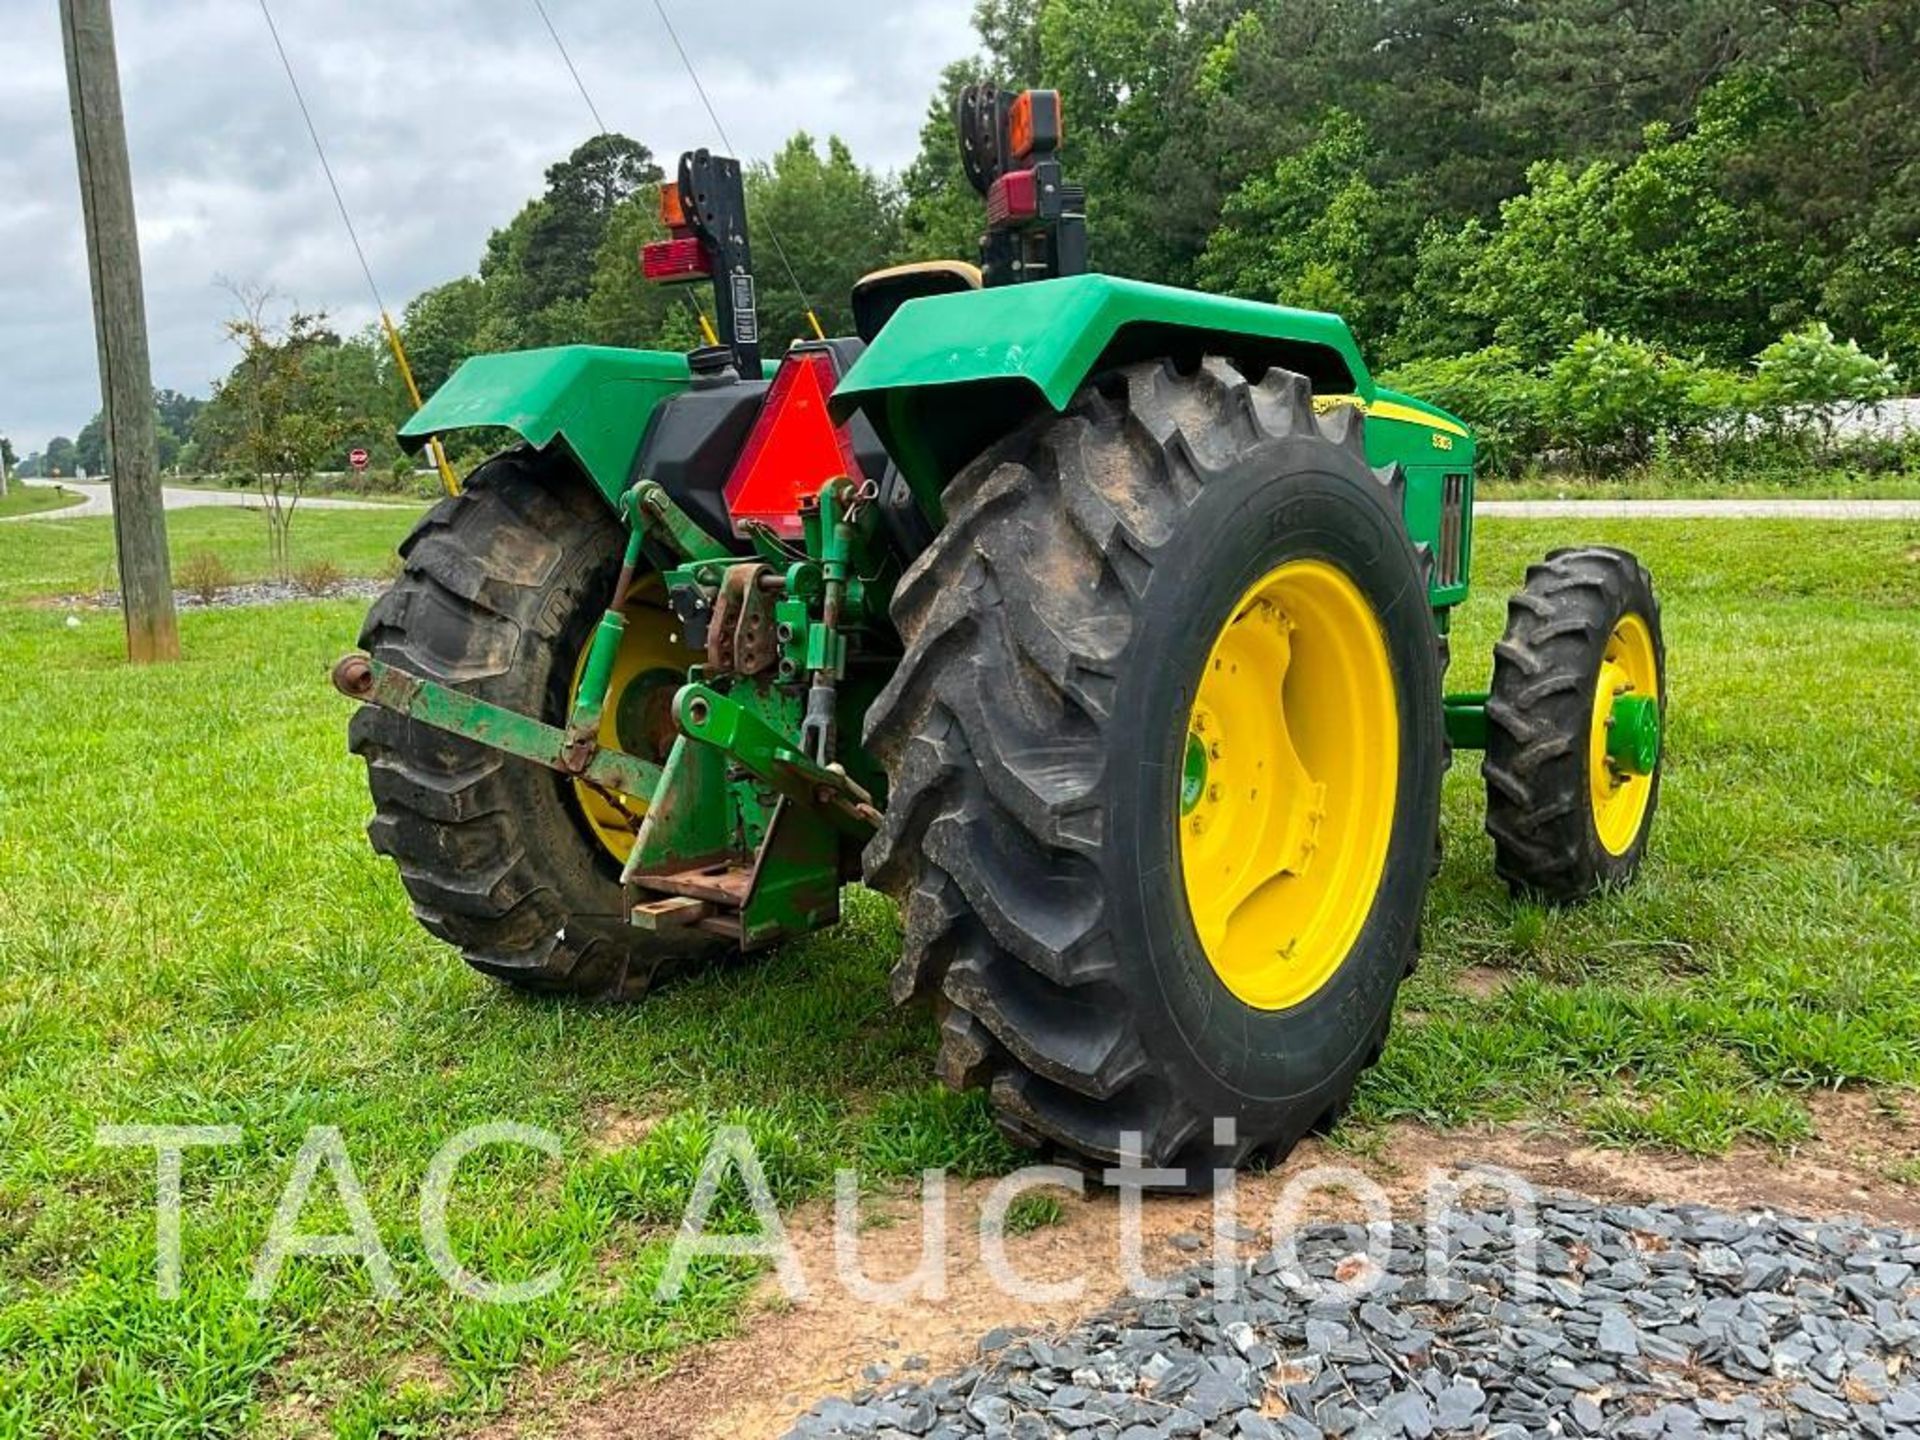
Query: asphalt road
99	501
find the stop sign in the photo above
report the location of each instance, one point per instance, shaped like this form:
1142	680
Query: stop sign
357	458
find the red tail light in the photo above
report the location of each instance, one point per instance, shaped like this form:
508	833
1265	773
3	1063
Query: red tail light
793	449
675	260
1013	196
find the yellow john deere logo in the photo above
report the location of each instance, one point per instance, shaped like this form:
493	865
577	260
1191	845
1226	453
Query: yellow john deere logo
1443	429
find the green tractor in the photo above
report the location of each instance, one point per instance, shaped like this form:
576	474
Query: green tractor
1101	624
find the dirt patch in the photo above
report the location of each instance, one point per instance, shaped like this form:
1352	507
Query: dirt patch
1865	1146
792	1352
1482	982
612	1128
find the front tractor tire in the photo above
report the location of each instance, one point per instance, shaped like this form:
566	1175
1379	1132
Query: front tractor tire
1574	721
1164	756
502	587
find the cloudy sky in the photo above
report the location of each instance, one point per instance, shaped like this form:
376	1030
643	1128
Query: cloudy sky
439	117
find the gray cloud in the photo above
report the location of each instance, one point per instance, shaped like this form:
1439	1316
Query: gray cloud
439	117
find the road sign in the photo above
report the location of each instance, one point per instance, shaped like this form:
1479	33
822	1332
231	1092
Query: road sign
357	458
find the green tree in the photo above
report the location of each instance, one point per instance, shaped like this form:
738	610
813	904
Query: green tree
59	459
538	269
571	219
90	446
1611	397
941	214
284	412
622	307
1114	63
441	328
357	378
1847	172
1588	76
1308	232
173	415
1665	248
835	221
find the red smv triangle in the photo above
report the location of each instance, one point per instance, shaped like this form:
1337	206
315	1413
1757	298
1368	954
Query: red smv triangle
793	450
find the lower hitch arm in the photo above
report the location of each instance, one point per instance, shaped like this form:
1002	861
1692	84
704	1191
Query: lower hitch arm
373	682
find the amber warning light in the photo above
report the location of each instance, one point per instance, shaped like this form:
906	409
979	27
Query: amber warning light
684	255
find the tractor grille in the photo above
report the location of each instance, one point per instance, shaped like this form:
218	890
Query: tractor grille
1453	528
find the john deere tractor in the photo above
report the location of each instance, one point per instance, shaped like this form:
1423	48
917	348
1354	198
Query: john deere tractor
1101	624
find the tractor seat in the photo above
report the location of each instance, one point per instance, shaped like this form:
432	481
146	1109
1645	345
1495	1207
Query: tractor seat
876	296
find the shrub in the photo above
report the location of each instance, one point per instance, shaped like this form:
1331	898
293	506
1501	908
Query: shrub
1492	392
318	577
1610	401
1806	379
1611	396
395	479
203	574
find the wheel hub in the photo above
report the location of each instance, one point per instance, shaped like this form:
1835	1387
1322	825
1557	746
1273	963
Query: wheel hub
1633	734
1624	743
1287	783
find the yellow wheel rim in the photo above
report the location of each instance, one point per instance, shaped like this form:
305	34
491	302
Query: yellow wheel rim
1287	786
638	719
1620	798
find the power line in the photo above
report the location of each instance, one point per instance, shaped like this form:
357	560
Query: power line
320	150
578	83
394	343
706	325
714	115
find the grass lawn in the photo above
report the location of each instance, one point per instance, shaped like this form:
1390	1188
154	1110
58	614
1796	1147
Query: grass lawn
208	940
1656	483
320	490
24	499
69	557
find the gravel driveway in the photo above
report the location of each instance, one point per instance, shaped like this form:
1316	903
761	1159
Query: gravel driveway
1640	1321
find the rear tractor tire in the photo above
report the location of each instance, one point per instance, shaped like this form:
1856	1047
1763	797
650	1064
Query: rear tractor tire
1574	725
1164	757
511	863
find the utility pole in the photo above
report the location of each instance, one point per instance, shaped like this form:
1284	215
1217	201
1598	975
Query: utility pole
120	324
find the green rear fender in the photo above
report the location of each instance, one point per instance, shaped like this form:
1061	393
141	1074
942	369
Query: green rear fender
594	401
950	373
